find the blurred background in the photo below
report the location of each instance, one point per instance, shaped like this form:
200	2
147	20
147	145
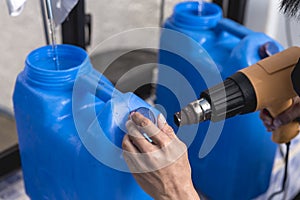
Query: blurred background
23	33
20	35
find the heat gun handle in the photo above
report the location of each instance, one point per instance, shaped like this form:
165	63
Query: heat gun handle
286	132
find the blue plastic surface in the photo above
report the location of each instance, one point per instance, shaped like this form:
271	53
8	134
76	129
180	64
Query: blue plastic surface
58	118
240	164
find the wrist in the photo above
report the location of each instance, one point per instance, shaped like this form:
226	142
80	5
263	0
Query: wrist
184	191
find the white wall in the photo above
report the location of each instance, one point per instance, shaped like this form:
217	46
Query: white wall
20	35
264	16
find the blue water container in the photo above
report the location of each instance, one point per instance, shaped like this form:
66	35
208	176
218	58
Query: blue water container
197	51
70	122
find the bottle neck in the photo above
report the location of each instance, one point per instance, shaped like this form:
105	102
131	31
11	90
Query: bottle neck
196	15
42	70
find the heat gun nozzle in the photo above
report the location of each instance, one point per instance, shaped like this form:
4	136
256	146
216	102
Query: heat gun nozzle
177	118
193	113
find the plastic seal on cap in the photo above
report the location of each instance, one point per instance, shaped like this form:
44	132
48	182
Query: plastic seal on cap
146	112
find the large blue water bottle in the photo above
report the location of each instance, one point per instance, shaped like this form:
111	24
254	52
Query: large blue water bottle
70	123
197	50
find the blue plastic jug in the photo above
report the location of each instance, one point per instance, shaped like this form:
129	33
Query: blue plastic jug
70	125
195	49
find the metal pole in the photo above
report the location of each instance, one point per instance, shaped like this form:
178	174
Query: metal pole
46	31
76	29
162	13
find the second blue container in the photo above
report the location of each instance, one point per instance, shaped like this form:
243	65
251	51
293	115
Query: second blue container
198	50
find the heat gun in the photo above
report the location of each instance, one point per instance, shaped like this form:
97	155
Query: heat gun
264	85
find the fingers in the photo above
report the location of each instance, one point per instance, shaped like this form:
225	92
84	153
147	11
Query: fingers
136	138
282	119
130	154
144	125
128	146
165	149
296	100
165	127
161	121
289	115
266	119
161	135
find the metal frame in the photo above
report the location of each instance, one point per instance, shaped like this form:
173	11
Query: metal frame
10	160
233	9
236	10
9	157
76	29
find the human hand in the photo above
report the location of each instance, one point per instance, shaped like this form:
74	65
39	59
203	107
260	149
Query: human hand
162	167
284	118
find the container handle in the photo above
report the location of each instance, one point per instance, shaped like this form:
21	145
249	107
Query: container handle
102	88
233	28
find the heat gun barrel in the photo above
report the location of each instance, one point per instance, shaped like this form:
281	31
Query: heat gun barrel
234	96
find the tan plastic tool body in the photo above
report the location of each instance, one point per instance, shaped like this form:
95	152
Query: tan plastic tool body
271	80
